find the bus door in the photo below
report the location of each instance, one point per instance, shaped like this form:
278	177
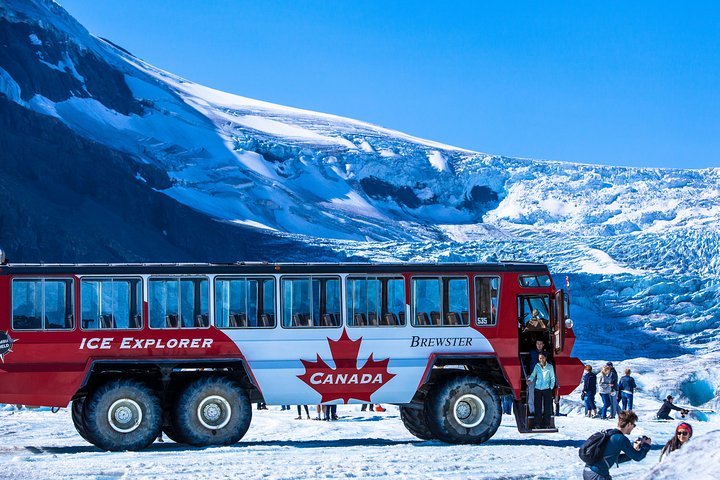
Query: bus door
560	314
533	322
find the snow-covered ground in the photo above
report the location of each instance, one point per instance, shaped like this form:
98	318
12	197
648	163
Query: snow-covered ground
38	444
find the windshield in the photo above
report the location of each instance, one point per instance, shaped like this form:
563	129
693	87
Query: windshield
539	304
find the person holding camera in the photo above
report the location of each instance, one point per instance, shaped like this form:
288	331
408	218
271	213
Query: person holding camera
667	406
619	449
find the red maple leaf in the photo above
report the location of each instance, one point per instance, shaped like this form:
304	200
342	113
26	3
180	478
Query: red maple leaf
345	381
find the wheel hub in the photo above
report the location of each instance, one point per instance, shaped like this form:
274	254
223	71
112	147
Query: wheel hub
124	415
469	411
214	412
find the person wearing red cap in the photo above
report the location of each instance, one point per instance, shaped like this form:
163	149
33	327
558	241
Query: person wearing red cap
683	432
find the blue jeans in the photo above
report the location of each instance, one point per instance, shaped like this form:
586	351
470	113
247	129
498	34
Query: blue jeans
590	403
507	403
627	399
590	475
606	404
614	404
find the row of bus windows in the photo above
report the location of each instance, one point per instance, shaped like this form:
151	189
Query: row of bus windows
249	302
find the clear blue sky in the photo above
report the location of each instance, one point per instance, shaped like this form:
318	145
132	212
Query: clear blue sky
618	83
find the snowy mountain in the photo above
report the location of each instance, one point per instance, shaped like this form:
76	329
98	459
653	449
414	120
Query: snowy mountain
108	158
254	163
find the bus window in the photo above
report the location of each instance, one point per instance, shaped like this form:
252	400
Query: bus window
440	301
310	302
457	301
111	303
178	302
395	302
245	302
486	300
535	281
375	301
42	304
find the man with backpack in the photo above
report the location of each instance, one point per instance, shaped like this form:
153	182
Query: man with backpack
603	449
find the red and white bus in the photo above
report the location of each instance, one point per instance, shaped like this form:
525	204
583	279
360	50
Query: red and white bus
185	348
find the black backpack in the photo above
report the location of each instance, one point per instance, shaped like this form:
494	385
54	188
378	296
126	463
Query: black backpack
591	452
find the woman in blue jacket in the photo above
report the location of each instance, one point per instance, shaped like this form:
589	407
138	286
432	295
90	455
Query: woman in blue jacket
544	377
588	391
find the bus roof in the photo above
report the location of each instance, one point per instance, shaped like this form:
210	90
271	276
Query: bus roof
262	267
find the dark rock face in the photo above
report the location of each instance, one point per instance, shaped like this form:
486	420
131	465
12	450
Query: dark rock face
482	198
44	68
380	190
64	198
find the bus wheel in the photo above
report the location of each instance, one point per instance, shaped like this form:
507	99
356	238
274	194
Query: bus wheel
77	412
123	414
463	409
414	421
212	411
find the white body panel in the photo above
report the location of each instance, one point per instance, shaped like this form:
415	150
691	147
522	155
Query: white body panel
274	357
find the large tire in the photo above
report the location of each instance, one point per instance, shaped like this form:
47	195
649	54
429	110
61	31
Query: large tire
414	421
122	415
212	411
463	409
77	412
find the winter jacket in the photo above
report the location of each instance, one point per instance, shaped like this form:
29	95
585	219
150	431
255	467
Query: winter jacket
589	383
618	450
664	411
604	385
627	384
544	378
614	380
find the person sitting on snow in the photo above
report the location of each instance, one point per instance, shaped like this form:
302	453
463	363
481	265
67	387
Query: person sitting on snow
664	412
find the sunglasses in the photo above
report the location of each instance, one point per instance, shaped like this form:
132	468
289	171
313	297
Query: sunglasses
683	433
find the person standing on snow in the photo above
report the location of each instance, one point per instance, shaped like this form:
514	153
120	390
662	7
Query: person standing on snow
619	449
605	387
613	390
627	387
588	391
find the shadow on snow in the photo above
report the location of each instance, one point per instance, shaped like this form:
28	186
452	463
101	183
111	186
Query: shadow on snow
353	442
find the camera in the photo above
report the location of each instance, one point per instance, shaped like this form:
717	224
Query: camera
643	438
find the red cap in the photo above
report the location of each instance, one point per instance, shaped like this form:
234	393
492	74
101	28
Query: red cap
684	426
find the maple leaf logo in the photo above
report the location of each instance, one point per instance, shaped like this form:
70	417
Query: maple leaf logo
6	344
345	381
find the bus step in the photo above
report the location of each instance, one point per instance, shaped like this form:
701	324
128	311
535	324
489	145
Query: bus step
526	422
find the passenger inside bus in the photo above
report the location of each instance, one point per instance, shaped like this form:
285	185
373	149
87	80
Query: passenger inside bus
535	324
